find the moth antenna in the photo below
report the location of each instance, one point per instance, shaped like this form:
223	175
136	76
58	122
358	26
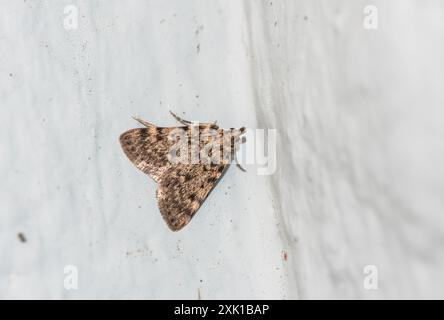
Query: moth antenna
185	122
145	123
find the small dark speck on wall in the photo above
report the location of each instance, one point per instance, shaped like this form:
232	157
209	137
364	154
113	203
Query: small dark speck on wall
21	237
284	255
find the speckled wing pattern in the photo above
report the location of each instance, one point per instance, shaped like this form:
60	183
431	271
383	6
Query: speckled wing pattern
148	148
182	188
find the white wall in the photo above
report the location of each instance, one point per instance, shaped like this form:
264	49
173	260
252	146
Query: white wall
359	150
362	182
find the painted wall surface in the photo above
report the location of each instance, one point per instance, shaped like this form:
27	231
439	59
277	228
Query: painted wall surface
356	200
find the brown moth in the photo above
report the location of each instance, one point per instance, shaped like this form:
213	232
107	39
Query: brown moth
186	162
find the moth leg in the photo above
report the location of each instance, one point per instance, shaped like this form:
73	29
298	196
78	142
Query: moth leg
240	167
238	164
145	123
242	140
185	122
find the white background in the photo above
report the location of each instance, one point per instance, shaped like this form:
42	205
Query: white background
359	178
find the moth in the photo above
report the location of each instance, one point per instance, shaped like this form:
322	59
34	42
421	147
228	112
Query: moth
186	162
